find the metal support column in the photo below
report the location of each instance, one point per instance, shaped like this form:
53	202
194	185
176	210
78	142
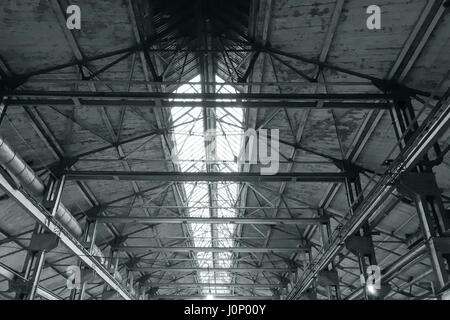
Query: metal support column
311	293
41	241
107	293
89	239
21	291
360	244
421	187
328	277
54	189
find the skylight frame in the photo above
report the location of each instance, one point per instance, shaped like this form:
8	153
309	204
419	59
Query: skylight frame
189	143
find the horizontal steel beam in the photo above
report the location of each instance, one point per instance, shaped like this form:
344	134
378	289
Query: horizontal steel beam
207	83
36	102
211	249
169	96
212	285
197	269
11	274
206	176
65	236
211	220
204	206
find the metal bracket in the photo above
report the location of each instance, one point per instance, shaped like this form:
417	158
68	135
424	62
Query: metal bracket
152	291
43	241
350	168
51	192
308	295
132	263
442	244
393	87
93	212
359	245
328	278
19	285
116	242
384	290
107	295
412	239
423	184
142	280
87	275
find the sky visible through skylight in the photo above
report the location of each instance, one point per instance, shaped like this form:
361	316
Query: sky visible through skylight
189	136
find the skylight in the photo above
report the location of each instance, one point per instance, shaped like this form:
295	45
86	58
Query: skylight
213	150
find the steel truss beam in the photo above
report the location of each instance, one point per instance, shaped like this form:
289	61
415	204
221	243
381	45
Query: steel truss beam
203	206
12	275
427	22
398	265
141	47
54	226
240	270
210	220
212	285
207	176
18	80
431	129
421	187
205	104
212	249
267	48
169	96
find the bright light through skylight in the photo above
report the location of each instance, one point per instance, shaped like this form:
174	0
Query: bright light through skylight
192	156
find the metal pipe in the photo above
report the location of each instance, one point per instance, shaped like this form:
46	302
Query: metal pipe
66	237
12	161
29	180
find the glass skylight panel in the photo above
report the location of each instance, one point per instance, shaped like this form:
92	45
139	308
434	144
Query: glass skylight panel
191	156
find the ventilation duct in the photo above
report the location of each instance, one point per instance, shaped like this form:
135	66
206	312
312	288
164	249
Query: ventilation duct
28	179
